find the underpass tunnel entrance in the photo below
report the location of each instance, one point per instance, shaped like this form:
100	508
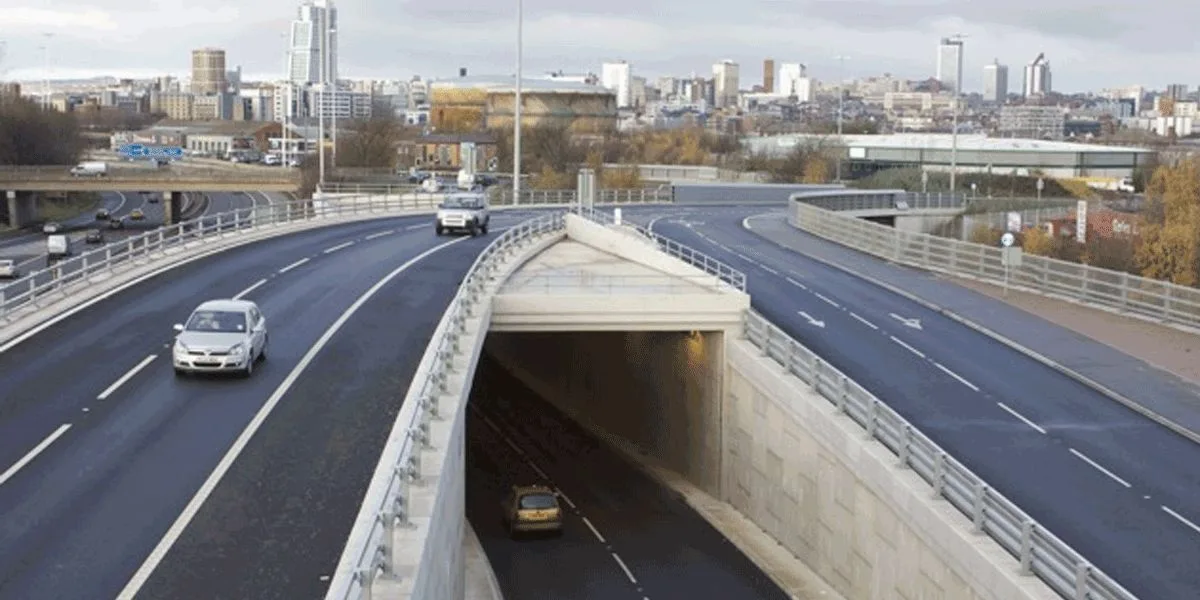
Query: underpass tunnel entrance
889	220
658	392
576	413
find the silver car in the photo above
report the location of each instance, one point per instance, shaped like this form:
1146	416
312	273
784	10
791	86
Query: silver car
8	269
221	336
463	211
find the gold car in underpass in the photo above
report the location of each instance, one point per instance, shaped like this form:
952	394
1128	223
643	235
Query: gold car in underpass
532	509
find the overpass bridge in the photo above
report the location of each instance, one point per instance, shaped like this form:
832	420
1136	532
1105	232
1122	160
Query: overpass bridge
759	405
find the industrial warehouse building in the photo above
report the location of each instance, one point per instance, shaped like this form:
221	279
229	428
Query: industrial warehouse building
475	102
866	154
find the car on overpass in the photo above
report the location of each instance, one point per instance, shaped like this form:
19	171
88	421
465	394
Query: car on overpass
8	269
137	214
94	236
532	509
51	227
221	336
102	214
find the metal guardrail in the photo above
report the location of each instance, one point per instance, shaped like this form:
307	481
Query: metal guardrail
615	285
369	551
1037	550
1160	300
841	199
687	254
68	276
503	196
186	174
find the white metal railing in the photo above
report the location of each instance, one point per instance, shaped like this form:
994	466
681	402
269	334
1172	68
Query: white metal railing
503	196
1161	300
687	254
73	274
1037	550
369	552
588	283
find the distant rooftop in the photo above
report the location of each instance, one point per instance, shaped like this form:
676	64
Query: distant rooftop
942	141
506	83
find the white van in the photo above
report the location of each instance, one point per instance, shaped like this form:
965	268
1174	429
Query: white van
58	245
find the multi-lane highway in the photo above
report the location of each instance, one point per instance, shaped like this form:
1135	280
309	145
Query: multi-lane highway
1118	487
110	465
29	250
625	536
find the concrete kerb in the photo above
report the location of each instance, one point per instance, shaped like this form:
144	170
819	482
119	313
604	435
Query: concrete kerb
1001	338
414	546
137	270
482	583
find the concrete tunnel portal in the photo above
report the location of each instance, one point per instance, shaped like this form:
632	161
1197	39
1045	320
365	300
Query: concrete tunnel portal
604	367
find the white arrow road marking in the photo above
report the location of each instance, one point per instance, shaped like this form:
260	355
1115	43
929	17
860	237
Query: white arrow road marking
913	323
812	321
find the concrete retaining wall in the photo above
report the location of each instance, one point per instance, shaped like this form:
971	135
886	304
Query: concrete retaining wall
841	504
660	391
741	193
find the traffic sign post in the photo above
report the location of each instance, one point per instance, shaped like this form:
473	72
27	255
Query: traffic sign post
1010	257
1041	185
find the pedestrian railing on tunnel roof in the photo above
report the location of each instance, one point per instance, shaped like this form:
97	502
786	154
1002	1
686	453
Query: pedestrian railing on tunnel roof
898	200
1119	291
1036	549
687	254
592	283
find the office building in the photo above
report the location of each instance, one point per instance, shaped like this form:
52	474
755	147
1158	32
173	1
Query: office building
308	37
1177	91
208	71
995	83
949	64
769	76
794	81
618	77
1037	77
725	84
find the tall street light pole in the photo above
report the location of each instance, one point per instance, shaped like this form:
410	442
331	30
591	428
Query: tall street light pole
517	106
841	106
324	35
332	76
958	37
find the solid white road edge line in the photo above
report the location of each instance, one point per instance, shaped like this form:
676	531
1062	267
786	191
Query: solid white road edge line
32	454
294	265
827	300
1097	466
189	512
1180	518
1022	418
337	247
257	285
126	377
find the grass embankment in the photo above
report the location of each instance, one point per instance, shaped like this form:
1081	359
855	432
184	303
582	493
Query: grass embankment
73	205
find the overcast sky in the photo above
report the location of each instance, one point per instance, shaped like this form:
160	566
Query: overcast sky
1090	45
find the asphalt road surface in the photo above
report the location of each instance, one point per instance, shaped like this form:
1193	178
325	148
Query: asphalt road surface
1119	488
103	447
625	536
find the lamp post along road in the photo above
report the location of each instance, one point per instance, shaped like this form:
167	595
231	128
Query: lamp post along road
958	37
841	109
321	107
517	107
332	77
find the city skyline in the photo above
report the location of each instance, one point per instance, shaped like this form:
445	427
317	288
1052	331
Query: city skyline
566	37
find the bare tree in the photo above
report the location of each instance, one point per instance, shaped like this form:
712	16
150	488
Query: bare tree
30	135
371	143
